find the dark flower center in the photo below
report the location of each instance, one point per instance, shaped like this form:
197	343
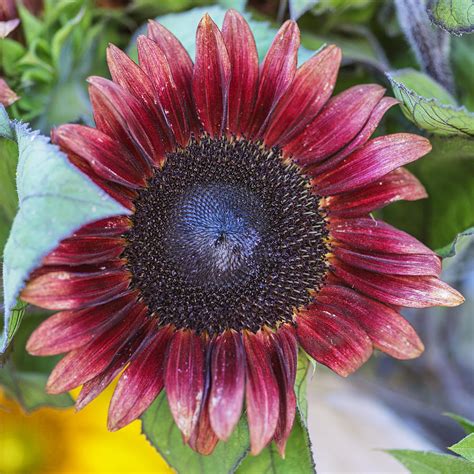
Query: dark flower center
226	236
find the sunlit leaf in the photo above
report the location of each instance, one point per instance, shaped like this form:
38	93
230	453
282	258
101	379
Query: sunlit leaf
429	106
455	16
422	462
300	7
465	447
55	199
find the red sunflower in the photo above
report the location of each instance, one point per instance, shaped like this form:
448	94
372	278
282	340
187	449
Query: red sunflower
250	191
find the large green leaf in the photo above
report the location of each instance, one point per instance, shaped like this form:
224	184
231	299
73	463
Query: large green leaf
298	459
455	16
301	383
55	199
161	431
420	462
465	447
184	26
429	106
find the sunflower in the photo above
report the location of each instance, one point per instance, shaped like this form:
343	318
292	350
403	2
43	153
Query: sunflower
250	190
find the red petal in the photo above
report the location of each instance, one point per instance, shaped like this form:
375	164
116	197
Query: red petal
185	379
332	339
374	160
337	124
360	139
285	360
141	382
127	352
74	290
85	250
310	90
414	292
107	158
180	64
394	264
227	383
85	363
7	95
395	186
262	392
119	114
386	328
203	439
178	112
124	195
244	67
109	227
128	75
375	236
276	74
211	78
70	330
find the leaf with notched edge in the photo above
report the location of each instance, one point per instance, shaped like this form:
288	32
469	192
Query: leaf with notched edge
455	16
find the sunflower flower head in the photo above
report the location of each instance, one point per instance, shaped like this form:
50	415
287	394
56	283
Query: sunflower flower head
250	190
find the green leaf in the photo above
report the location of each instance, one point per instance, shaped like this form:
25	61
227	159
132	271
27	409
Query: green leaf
300	7
161	431
28	388
298	459
301	384
447	173
8	163
31	25
429	106
455	16
460	241
467	425
184	26
55	199
465	447
422	462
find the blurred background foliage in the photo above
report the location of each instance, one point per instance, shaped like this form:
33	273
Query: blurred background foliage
421	52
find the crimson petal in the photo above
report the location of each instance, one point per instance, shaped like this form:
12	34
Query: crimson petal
311	88
395	186
337	124
285	360
75	290
375	159
108	227
119	114
262	392
371	235
394	264
84	364
141	382
128	75
203	439
212	75
244	66
276	74
184	379
386	328
180	64
70	330
155	63
359	140
85	250
332	339
414	292
227	383
106	157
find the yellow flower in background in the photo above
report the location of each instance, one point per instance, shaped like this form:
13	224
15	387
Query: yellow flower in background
68	442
